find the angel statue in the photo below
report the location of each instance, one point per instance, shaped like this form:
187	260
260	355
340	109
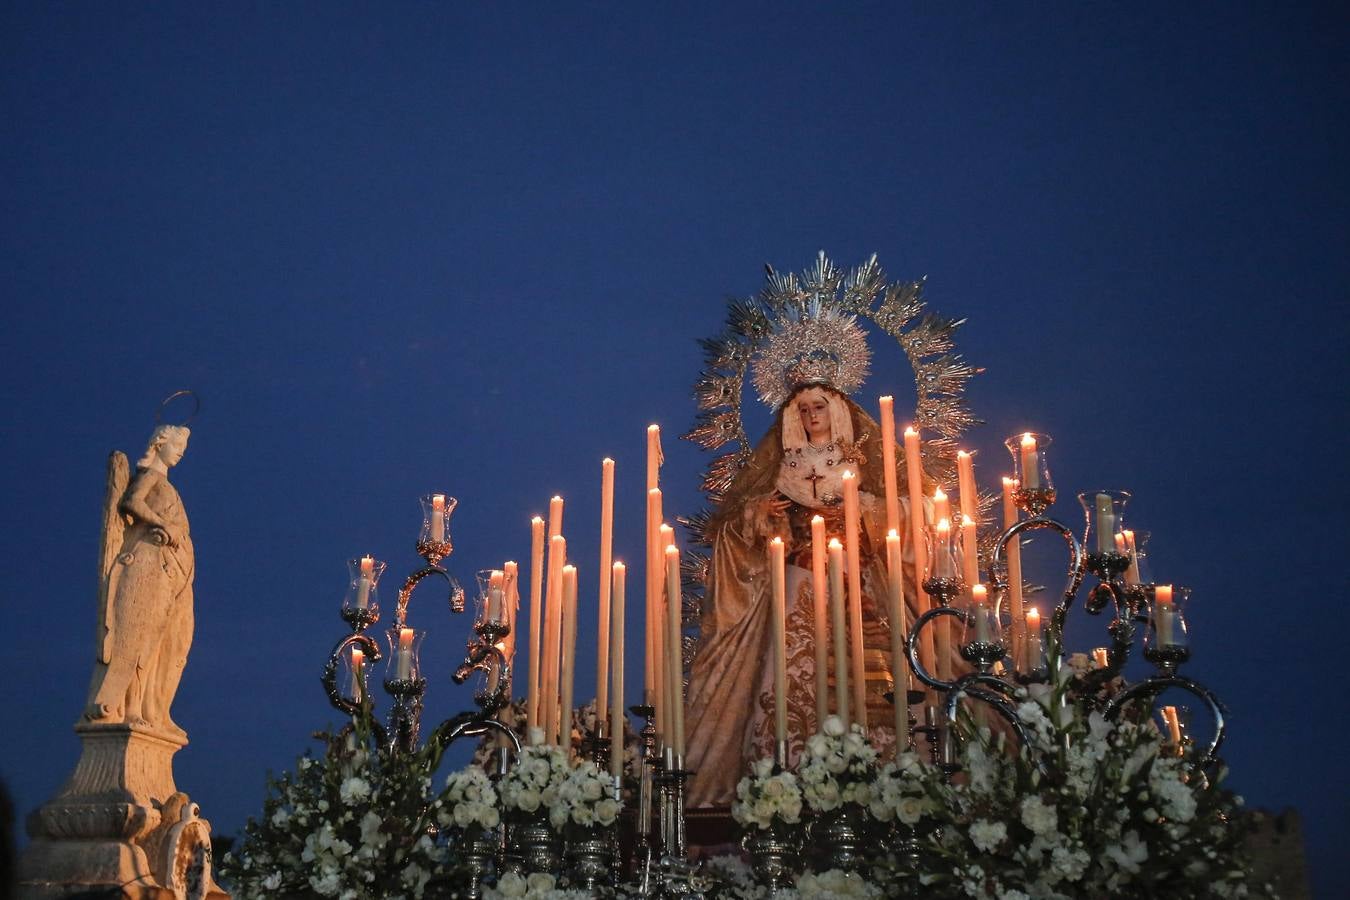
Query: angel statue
805	365
145	600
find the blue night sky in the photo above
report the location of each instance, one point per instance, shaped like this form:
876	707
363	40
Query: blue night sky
470	248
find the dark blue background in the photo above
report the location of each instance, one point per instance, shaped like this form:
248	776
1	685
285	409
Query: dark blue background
470	249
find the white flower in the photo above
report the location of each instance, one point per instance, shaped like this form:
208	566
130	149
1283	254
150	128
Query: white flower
910	810
281	817
834	726
1130	853
353	789
1041	819
987	835
272	882
327	885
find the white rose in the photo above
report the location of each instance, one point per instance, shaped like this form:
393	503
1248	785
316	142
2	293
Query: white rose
834	726
910	810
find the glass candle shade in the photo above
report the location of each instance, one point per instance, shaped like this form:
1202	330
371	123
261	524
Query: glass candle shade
1032	663
982	632
1167	638
1031	470
361	601
1108	554
487	605
402	664
1140	569
943	564
357	666
434	538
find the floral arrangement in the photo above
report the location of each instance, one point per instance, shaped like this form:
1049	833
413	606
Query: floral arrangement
1108	814
570	794
900	792
765	799
535	886
355	823
469	801
532	783
585	798
837	767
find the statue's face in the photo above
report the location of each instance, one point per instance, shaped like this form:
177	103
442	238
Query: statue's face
172	450
814	407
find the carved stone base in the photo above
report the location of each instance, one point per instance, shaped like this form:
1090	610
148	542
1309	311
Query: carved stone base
119	821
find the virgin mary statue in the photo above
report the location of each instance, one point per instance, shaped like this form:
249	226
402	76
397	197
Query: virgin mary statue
793	474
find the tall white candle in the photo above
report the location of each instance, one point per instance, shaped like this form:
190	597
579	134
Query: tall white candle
942	549
553	615
895	598
1031	463
674	656
838	630
888	463
438	517
914	474
970	551
942	507
555	516
616	714
652	622
534	685
819	595
1013	555
778	591
853	549
965	483
606	554
569	656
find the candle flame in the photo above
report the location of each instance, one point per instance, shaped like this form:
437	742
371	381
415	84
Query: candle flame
834	542
911	431
1028	442
939	496
979	592
892	534
619	567
966	520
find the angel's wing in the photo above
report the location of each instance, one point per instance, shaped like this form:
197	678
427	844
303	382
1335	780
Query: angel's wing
114	527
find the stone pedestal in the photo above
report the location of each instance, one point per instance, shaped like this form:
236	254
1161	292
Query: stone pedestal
119	822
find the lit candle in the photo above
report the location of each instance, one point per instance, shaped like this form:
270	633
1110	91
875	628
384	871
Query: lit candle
1121	548
970	551
942	549
1173	724
1100	658
979	601
1132	573
654	457
896	610
569	656
888	463
438	517
1106	524
358	660
1031	462
914	474
819	594
970	509
364	581
534	684
606	554
1013	555
1163	614
510	595
778	590
838	630
616	716
942	507
1033	640
853	547
675	659
494	604
665	690
405	654
653	620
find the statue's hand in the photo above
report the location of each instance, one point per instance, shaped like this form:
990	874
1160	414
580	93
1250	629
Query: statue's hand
162	537
774	506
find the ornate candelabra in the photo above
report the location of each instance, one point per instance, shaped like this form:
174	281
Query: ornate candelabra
1107	552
